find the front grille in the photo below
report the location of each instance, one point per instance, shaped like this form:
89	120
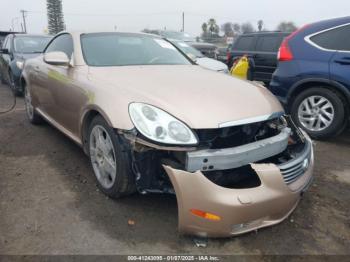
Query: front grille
294	169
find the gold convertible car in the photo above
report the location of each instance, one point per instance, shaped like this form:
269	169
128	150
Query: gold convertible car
152	121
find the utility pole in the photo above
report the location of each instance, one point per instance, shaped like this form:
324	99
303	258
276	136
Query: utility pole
24	20
183	21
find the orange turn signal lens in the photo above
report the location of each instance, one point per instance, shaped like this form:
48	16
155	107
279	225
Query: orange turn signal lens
205	215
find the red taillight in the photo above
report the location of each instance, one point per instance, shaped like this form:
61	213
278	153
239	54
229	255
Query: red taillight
284	53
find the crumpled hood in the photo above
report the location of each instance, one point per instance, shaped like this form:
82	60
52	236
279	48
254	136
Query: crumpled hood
199	97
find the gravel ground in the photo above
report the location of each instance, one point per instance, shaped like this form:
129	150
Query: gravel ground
49	204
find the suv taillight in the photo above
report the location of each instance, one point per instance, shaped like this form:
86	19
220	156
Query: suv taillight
284	53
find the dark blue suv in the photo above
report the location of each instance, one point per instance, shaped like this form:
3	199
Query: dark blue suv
312	79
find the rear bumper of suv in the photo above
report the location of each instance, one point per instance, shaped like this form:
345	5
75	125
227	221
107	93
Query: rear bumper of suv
241	210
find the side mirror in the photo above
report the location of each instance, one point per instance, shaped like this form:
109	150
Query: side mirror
4	51
56	58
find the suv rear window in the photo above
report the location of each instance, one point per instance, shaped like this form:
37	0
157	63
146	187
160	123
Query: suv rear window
335	39
268	43
244	43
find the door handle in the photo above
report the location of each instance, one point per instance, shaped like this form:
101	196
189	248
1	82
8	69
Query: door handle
342	62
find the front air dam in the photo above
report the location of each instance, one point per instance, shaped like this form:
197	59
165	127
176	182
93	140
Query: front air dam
238	210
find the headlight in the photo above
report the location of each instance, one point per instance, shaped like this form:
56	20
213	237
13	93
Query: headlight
160	126
19	64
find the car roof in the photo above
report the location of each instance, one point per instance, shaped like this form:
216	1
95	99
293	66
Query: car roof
265	33
31	35
329	23
77	33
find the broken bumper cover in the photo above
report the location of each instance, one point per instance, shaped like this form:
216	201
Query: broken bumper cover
240	210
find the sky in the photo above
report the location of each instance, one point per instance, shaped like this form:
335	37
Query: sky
135	15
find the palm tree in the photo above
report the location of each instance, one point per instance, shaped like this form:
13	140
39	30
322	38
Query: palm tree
55	16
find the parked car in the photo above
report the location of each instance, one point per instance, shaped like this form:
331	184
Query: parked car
261	49
198	57
15	50
207	49
3	35
151	120
313	77
222	53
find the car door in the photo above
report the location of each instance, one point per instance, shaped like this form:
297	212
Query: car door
58	87
2	59
265	57
6	58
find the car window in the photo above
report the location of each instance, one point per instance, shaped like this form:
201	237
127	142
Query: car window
268	43
335	39
187	49
4	43
30	44
62	43
8	43
113	49
244	43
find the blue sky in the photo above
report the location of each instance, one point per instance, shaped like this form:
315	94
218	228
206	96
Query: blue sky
134	15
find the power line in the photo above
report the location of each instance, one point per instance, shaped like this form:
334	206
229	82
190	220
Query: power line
24	20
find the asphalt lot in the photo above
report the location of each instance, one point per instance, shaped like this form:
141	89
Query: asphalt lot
49	204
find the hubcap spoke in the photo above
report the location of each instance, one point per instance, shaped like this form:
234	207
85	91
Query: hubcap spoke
102	156
28	104
316	113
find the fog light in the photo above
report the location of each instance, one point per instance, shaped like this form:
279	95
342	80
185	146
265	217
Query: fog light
205	215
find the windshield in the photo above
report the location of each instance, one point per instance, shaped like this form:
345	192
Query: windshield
30	44
178	36
188	50
116	49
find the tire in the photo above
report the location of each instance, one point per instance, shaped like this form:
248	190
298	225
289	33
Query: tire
111	163
328	110
13	86
33	117
2	80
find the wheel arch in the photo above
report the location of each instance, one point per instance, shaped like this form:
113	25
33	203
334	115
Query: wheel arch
89	114
304	84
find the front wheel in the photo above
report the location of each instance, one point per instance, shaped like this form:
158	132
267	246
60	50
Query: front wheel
110	161
32	115
320	112
13	85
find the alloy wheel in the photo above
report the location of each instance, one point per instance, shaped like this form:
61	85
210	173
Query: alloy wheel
102	156
28	104
316	113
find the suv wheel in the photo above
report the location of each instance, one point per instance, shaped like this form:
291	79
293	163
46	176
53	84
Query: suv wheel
320	112
111	163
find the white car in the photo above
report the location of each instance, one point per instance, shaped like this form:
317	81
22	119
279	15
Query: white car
197	57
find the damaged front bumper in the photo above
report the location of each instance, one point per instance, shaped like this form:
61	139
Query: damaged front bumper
240	210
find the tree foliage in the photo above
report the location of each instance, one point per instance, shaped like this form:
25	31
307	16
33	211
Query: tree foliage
260	25
205	28
287	27
210	29
55	16
213	27
227	28
247	28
